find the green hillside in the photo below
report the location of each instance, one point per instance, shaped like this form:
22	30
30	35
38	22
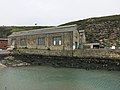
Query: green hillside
94	20
7	30
105	30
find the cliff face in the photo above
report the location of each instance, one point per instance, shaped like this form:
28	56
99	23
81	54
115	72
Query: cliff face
107	33
105	30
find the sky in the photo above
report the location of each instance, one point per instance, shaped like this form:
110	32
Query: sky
53	12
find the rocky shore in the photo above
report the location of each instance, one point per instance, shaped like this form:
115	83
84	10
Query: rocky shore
10	60
88	63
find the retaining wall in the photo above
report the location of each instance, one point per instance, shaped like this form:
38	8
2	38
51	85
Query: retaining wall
99	53
83	59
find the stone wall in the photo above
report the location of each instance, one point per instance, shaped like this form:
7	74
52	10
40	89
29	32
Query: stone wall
46	52
99	53
83	59
32	41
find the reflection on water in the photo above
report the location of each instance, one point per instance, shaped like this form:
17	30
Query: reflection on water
48	78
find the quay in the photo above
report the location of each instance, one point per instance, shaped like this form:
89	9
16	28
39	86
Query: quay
97	59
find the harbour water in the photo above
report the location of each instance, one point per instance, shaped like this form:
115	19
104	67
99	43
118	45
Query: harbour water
49	78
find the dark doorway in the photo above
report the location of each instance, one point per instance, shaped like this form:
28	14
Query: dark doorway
96	46
75	45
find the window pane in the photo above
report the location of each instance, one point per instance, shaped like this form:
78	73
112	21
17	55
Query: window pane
41	41
57	40
23	42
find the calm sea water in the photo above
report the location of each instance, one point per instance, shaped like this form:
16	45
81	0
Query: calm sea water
48	78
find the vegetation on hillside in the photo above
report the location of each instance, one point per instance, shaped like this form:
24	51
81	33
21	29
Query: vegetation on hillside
4	32
94	20
7	30
26	28
104	30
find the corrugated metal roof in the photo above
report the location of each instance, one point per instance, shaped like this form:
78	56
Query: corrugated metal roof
45	30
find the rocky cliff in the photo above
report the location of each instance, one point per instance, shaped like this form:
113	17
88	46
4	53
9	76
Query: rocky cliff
105	30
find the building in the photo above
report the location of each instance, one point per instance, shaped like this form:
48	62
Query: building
55	38
3	43
92	45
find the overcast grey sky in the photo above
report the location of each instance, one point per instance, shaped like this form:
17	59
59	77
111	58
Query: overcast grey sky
54	12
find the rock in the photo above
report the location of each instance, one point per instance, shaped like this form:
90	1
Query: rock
21	64
2	66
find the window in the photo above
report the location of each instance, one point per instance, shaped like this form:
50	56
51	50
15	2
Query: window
57	40
23	42
41	41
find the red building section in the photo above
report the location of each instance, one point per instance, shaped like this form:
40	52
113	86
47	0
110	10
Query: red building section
3	43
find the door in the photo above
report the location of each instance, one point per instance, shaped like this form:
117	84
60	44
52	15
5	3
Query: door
75	45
